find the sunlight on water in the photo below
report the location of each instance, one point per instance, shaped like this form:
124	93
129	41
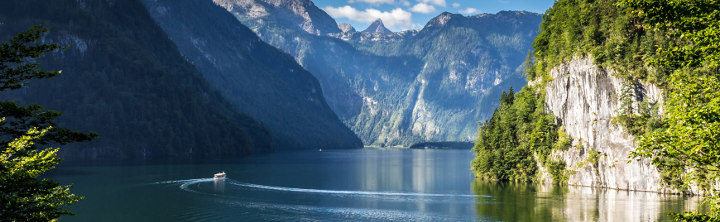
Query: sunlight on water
348	185
195	186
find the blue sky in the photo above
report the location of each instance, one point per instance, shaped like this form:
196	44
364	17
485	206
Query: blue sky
399	15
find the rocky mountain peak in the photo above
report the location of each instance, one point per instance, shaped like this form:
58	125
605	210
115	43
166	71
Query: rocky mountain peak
346	28
377	27
303	14
442	19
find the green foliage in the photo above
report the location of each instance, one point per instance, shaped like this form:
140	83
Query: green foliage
17	65
14	54
593	157
693	133
690	216
688	151
22	118
692	26
640	120
564	141
610	33
675	44
519	131
23	196
615	38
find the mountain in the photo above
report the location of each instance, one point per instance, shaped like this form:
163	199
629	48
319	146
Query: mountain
466	61
377	27
256	78
345	28
442	20
413	86
124	79
296	14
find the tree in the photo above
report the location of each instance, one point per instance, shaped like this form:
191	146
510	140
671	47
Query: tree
689	149
23	195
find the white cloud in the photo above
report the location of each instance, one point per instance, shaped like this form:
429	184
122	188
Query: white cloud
405	2
377	2
423	8
468	11
434	2
395	19
456	4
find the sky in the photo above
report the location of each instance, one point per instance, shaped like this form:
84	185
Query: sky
399	15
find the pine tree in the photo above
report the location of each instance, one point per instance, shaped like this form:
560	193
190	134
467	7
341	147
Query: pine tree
24	196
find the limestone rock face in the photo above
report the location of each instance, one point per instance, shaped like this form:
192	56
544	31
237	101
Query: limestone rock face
585	98
301	14
346	28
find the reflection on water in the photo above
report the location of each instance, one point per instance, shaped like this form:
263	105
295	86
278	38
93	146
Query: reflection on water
219	185
346	185
544	202
418	171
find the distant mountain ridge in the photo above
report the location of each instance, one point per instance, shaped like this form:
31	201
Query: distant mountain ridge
414	86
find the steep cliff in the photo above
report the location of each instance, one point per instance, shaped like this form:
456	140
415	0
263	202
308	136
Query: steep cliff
585	99
594	95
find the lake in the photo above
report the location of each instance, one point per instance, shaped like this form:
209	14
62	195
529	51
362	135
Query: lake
342	185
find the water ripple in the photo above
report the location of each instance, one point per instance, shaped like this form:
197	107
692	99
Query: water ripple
185	185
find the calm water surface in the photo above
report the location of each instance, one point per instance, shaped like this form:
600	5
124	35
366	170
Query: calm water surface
349	185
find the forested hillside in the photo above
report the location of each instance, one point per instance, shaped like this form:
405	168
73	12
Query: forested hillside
124	79
256	78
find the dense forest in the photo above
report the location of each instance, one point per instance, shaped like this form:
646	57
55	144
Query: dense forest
124	79
519	132
672	44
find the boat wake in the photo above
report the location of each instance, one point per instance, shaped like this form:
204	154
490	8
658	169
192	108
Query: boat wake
185	181
283	211
349	192
186	186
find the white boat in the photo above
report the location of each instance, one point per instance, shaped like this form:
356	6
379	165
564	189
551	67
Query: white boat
220	175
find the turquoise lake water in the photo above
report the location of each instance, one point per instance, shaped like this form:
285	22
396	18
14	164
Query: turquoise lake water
345	185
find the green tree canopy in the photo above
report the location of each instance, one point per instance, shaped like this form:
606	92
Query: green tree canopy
23	195
689	149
